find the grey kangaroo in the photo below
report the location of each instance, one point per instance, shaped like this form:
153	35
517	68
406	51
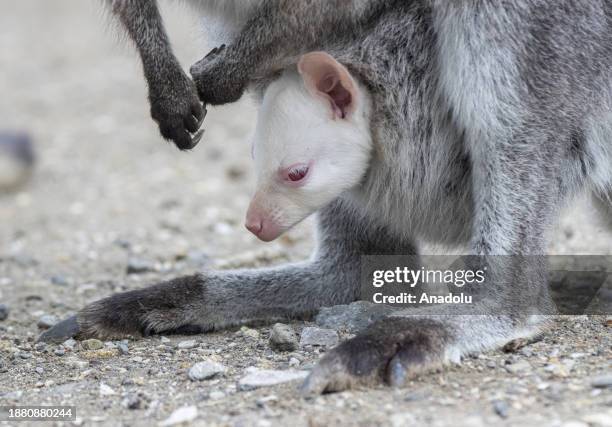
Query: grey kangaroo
486	117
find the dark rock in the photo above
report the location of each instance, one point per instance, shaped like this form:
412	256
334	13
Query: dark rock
602	381
139	266
47	321
283	338
4	312
501	408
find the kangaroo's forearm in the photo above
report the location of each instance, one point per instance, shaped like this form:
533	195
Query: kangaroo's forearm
143	23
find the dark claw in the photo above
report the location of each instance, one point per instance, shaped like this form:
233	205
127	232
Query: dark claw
201	115
191	124
211	53
196	138
199	112
66	329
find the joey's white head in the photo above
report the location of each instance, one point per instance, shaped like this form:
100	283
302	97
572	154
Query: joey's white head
312	143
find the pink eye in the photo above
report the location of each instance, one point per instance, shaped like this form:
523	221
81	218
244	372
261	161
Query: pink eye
295	174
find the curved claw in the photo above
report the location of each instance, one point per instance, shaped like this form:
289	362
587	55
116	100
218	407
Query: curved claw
201	115
196	138
66	329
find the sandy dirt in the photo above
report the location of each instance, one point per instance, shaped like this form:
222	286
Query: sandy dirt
108	191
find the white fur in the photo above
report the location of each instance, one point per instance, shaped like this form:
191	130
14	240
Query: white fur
294	126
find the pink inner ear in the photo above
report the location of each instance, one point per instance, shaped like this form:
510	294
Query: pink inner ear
326	77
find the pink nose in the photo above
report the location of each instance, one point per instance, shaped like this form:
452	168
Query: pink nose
257	222
254	225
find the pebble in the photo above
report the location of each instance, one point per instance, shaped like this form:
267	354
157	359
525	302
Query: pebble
318	337
59	352
46	321
186	345
182	415
12	395
69	343
39	370
267	377
248	332
4	312
123	348
59	281
501	408
283	338
216	395
92	344
139	266
602	381
518	367
106	390
205	370
132	401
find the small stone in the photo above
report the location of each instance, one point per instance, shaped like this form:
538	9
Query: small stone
266	378
283	338
47	321
501	408
263	401
186	345
182	415
216	395
4	312
69	343
602	381
248	332
294	363
123	348
92	344
132	401
205	370
139	266
25	355
59	280
39	370
12	395
519	366
318	337
105	390
59	352
40	346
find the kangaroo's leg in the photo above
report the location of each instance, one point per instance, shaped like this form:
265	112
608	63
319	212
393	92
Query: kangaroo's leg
217	299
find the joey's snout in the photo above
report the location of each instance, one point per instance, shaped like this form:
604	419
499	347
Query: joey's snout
260	223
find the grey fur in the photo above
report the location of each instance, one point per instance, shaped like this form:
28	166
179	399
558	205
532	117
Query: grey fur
487	117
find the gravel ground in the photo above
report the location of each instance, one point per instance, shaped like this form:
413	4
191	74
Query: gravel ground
109	196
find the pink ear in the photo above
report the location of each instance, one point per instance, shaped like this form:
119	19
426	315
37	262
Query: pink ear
326	77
